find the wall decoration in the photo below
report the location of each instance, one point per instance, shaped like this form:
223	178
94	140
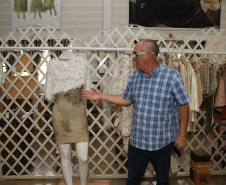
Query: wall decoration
35	12
175	13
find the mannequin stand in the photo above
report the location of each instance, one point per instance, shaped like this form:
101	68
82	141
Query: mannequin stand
89	182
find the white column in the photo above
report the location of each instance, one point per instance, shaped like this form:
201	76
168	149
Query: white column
107	9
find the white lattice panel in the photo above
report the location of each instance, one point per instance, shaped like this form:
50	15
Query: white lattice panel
28	148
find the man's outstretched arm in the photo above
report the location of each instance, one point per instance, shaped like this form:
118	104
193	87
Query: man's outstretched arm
95	94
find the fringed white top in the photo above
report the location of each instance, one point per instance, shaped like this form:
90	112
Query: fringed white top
66	74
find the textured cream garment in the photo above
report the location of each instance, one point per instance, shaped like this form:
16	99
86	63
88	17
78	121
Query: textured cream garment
194	104
191	85
65	74
125	113
69	118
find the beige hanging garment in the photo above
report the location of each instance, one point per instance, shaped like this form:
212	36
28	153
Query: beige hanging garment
161	59
204	76
195	66
193	93
220	102
125	113
186	72
169	60
182	71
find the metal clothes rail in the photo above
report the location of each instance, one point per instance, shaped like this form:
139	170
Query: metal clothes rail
197	51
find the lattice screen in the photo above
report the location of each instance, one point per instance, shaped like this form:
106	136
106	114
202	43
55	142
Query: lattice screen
28	149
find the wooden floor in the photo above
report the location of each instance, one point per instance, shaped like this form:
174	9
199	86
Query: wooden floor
214	180
89	182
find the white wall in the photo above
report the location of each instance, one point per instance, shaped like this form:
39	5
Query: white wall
83	18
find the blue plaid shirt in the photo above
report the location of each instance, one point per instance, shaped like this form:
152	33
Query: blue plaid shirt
156	99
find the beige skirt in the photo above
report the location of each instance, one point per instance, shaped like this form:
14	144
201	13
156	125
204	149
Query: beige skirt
69	118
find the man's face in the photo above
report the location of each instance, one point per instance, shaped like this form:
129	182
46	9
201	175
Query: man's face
140	57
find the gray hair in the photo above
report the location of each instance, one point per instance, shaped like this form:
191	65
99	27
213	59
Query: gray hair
149	44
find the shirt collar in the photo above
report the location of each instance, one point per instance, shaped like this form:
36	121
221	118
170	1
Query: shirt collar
156	71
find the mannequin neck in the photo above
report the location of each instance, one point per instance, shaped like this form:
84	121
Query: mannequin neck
67	55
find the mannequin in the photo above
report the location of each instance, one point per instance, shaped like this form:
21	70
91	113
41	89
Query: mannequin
69	112
67	55
82	155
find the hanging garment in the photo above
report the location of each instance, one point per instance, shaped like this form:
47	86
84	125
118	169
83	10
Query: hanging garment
187	68
209	79
212	82
220	102
204	76
196	97
192	89
182	71
36	6
48	5
161	59
20	6
191	85
195	66
125	113
194	104
168	60
209	84
209	108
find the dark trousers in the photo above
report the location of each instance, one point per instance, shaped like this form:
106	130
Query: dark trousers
139	159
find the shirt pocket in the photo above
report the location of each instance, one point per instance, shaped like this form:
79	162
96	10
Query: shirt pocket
160	106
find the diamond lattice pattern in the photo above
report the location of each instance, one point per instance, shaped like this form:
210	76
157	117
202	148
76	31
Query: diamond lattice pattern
27	142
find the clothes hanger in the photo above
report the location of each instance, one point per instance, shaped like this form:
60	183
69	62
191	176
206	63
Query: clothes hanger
204	58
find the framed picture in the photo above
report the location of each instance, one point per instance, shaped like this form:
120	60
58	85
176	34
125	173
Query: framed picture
35	12
175	14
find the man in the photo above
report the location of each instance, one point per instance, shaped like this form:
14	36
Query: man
156	92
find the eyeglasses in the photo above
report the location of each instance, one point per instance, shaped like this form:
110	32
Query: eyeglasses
135	54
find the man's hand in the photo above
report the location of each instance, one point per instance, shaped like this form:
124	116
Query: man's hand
180	143
93	94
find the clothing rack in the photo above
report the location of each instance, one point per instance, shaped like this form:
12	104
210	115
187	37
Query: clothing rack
110	49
